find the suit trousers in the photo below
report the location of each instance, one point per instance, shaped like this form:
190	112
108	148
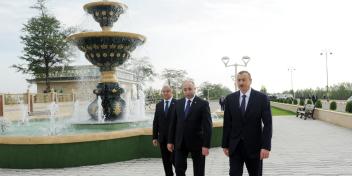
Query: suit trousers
240	157
181	161
167	158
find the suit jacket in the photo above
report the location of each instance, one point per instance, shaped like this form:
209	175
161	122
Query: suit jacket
247	127
161	121
195	129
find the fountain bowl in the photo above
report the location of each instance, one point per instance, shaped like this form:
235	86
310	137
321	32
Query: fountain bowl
106	13
107	50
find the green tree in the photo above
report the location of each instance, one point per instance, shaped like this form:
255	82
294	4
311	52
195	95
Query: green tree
152	95
143	69
174	78
340	91
263	90
212	91
44	43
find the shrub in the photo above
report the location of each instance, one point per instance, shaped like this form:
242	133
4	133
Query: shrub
318	104
349	106
333	105
301	102
309	101
295	102
288	101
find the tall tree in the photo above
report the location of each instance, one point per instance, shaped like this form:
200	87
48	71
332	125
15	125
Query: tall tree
174	78
143	69
44	43
340	91
213	91
263	90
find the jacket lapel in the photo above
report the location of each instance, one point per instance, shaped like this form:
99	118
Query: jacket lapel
181	107
236	102
170	107
161	107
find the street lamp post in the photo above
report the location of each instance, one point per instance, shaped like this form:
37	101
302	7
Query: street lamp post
326	53
291	69
226	60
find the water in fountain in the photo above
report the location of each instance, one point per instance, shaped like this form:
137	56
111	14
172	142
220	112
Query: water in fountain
76	114
24	113
4	124
137	112
53	109
101	117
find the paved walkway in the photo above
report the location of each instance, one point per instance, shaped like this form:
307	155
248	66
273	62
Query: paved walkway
300	148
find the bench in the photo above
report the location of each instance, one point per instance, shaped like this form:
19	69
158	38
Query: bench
307	111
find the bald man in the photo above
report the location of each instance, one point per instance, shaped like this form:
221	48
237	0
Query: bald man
162	117
190	131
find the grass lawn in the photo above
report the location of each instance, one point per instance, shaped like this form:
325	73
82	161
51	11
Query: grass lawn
280	112
274	111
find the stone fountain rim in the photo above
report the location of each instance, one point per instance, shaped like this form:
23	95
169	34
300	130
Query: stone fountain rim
77	138
106	34
104	3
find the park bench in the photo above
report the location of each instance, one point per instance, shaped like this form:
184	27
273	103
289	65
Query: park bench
307	111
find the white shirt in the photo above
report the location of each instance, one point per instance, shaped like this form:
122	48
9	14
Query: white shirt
187	100
248	94
170	99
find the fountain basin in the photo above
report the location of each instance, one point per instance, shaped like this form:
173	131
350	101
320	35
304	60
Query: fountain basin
82	149
62	127
107	50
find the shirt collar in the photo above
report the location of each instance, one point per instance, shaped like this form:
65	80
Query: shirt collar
191	98
248	93
168	100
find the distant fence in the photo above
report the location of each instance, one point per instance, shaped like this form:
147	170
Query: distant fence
10	99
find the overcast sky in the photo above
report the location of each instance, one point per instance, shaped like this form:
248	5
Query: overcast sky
195	34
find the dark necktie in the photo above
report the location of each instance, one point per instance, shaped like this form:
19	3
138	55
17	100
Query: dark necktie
243	104
166	108
188	107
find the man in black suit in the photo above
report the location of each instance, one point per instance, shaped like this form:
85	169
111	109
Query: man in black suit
162	117
245	140
190	131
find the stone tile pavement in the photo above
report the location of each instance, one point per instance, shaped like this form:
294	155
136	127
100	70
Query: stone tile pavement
300	148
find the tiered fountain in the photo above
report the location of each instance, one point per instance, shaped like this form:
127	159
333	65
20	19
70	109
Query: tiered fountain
29	146
107	50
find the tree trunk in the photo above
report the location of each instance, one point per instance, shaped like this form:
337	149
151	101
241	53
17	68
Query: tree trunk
47	82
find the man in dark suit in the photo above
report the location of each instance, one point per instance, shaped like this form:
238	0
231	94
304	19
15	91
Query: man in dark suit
245	140
190	131
162	117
